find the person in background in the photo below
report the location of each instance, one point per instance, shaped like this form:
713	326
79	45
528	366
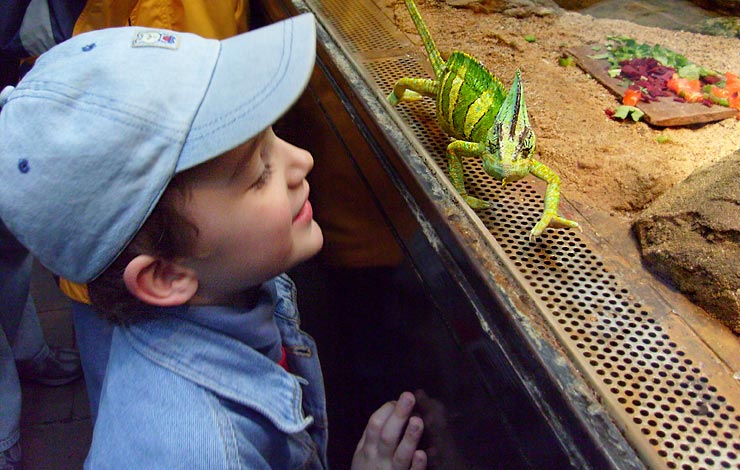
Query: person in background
24	353
181	209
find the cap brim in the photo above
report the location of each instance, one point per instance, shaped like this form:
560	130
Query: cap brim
257	78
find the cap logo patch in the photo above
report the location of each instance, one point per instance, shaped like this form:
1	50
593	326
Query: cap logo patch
152	38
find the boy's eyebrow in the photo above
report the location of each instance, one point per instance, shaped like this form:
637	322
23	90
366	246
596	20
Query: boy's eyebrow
245	157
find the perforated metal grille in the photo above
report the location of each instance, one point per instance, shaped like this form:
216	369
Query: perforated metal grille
664	396
670	409
358	25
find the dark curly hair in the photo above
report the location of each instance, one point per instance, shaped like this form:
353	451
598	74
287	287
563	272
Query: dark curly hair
166	234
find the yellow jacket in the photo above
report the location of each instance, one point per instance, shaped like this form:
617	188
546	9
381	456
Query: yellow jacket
218	19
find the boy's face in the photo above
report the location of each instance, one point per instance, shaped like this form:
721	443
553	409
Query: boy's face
251	208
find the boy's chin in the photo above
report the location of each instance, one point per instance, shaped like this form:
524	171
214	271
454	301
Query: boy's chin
313	244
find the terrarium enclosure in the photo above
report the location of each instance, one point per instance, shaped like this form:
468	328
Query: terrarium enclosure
567	335
615	166
579	355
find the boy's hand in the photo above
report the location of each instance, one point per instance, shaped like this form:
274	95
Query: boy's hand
390	438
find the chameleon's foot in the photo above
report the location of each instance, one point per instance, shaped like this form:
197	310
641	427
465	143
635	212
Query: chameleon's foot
554	222
562	222
476	203
407	95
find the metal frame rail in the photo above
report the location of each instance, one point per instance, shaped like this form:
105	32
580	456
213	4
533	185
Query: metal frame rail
592	355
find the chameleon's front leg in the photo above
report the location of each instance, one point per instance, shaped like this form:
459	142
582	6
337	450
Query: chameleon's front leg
412	89
455	153
550	217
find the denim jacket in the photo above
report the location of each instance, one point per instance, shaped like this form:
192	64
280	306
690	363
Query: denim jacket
181	394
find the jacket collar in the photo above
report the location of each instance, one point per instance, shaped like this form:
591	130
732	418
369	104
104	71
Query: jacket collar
208	346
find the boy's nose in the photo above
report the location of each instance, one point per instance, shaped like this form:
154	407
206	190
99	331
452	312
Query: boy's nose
301	162
307	159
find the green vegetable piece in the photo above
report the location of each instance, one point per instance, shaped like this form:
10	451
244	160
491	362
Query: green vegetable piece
663	139
718	100
566	62
623	112
530	38
690	72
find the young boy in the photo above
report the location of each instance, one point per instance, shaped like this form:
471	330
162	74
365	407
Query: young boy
142	162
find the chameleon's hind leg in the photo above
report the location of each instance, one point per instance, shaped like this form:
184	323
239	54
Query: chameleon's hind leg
455	153
550	217
412	89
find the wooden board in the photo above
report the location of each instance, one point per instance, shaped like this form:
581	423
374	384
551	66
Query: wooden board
663	113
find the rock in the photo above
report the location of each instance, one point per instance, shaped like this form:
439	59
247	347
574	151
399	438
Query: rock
731	7
576	4
513	8
691	237
727	26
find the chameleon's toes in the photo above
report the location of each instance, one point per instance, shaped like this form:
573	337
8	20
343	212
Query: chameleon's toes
555	222
537	231
476	203
561	222
407	95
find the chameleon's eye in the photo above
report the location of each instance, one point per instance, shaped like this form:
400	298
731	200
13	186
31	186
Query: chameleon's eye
526	142
528	149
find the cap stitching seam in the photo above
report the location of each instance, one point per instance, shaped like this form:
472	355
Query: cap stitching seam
209	128
173	134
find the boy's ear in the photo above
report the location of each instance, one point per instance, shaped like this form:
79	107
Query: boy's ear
158	282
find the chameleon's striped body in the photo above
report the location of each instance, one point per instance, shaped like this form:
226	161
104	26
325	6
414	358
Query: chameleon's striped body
469	99
487	122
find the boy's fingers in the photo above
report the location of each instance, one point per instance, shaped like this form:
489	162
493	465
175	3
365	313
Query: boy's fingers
361	444
376	423
403	458
395	424
419	461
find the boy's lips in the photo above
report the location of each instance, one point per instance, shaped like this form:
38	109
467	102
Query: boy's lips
306	212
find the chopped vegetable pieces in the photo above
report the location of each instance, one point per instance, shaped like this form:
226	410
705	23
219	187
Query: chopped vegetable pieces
651	72
689	90
631	97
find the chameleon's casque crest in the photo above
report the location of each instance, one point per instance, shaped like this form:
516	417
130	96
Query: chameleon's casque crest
511	139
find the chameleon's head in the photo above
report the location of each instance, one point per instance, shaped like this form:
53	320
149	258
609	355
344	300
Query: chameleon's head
511	139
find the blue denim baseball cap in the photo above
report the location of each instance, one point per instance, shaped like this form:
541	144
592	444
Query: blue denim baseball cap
92	135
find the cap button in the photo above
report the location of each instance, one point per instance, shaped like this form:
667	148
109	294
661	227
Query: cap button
23	165
5	94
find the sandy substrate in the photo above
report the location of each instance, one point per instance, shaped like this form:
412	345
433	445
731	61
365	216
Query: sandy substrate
616	167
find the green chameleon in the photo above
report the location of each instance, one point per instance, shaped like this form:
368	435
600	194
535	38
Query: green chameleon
474	108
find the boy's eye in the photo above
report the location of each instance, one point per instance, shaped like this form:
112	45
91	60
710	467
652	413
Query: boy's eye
264	177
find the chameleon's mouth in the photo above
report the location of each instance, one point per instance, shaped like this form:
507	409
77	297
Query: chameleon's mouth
509	174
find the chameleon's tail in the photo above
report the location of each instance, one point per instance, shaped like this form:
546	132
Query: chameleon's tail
434	57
